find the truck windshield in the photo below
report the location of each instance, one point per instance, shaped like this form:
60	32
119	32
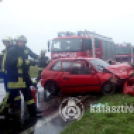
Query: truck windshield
67	45
99	64
122	50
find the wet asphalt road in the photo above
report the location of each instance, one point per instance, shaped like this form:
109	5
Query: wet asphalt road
51	123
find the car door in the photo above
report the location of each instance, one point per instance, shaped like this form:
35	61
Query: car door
55	72
79	79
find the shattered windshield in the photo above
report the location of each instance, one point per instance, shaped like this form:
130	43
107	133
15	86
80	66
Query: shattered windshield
67	45
99	64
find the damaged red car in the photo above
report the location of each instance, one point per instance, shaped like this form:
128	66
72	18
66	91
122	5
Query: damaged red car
84	75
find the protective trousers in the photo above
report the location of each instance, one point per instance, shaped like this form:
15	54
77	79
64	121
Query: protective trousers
17	97
10	99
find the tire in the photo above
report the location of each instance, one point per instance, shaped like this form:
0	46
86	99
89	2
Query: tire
52	87
108	88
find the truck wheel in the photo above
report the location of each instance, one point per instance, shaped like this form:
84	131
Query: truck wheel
108	88
52	87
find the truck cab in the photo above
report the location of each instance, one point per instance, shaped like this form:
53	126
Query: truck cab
124	53
82	44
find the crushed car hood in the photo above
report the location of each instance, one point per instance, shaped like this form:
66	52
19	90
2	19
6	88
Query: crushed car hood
122	70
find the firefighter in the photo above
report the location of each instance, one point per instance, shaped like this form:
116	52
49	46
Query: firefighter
27	52
8	42
42	63
18	79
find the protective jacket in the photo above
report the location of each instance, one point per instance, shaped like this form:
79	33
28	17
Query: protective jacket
3	58
17	67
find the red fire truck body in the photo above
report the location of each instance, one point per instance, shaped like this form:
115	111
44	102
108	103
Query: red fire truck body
82	44
124	53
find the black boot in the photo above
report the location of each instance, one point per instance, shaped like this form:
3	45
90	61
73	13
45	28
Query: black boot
39	111
33	111
36	114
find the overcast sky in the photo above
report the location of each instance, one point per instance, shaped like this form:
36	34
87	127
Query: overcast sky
40	20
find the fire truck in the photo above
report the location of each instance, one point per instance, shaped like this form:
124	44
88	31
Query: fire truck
124	53
81	44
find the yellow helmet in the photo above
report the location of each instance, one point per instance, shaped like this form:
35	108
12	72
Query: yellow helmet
8	39
20	38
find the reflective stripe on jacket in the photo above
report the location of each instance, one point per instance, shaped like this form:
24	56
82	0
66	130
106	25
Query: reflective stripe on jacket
17	67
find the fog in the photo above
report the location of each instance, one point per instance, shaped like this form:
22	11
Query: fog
40	20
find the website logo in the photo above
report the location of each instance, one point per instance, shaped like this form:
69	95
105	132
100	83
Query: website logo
71	109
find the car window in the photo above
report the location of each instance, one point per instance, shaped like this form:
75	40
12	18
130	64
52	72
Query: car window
99	64
88	44
66	66
79	69
97	44
56	66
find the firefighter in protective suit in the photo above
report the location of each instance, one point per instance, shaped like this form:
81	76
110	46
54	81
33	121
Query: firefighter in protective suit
42	63
28	52
8	42
17	66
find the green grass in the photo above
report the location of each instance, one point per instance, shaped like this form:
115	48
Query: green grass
105	123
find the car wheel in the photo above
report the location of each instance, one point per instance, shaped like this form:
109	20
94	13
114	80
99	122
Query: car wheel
52	87
108	88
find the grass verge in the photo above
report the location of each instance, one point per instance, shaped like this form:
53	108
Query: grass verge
105	123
